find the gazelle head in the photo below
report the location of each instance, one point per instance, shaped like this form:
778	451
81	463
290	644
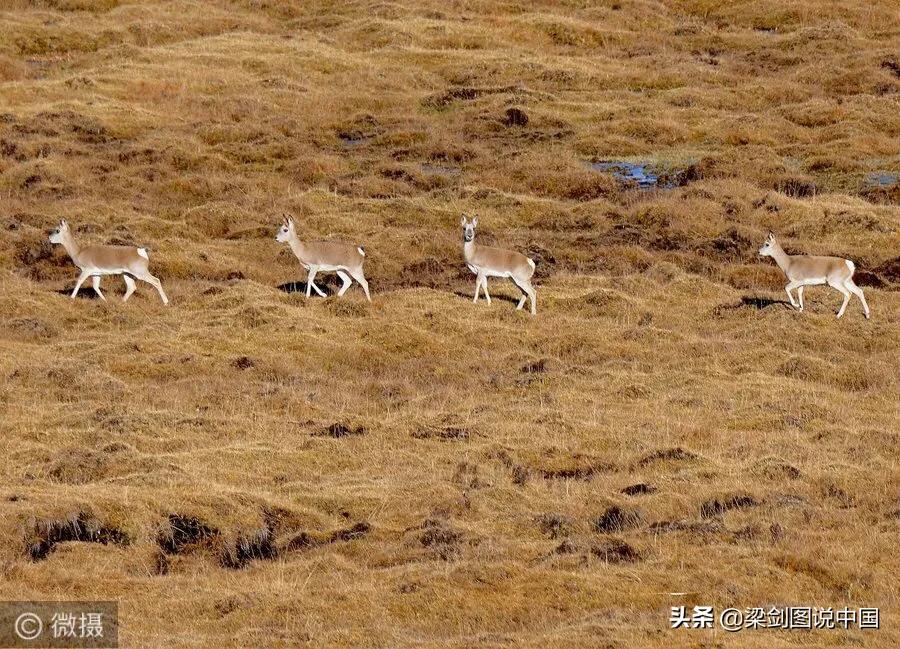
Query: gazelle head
468	228
60	232
286	230
768	246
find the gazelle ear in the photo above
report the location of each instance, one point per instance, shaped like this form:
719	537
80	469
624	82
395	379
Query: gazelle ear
64	224
462	220
475	222
771	236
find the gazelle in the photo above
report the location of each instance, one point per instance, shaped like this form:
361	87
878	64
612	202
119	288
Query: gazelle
486	261
806	270
344	259
96	261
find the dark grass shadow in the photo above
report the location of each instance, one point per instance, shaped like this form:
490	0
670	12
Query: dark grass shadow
869	279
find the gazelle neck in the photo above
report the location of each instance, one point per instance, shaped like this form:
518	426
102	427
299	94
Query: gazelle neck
781	257
469	249
296	245
72	248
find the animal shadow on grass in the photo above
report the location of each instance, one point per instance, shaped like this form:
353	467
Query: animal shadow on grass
499	296
328	284
85	292
760	302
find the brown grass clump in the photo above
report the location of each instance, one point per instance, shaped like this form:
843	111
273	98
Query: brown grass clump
421	470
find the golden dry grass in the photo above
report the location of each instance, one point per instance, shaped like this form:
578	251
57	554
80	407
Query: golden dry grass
425	471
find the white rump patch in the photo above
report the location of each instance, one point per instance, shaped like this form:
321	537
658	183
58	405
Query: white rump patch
850	265
361	251
143	253
531	261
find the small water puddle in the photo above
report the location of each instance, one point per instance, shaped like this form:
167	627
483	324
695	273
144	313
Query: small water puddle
882	178
634	172
353	141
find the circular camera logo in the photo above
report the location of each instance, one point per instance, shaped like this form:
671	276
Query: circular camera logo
28	626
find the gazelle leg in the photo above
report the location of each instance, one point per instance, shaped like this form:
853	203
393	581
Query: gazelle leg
524	294
532	295
81	279
347	282
857	291
800	295
840	287
310	281
129	287
95	280
155	283
790	287
361	280
526	287
484	286
478	279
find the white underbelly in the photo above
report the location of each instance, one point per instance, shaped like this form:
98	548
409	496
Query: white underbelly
104	271
488	272
323	267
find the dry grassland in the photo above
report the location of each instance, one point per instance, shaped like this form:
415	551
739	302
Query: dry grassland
251	468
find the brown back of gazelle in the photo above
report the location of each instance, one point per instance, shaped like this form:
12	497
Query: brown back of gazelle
332	253
122	258
803	267
501	260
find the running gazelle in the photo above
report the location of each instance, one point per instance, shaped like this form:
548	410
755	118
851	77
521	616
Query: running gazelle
344	259
96	261
486	261
807	270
